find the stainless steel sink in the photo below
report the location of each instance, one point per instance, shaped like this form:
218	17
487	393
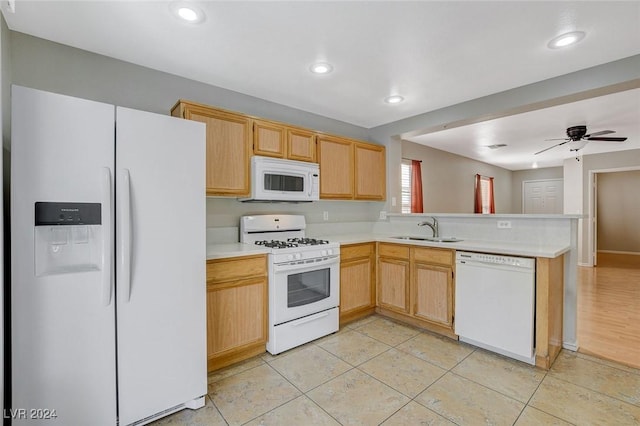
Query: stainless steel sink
433	239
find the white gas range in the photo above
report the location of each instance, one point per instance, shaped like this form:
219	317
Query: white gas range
304	279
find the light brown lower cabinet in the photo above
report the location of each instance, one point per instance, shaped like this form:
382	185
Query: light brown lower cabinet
415	285
236	309
357	281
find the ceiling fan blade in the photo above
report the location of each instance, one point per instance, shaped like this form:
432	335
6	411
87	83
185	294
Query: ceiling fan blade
558	139
607	139
603	132
547	149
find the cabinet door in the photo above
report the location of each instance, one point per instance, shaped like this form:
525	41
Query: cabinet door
370	175
356	286
236	316
301	145
433	293
393	284
268	139
336	167
228	149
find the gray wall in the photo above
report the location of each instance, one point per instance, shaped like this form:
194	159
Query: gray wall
448	180
618	211
519	176
54	67
577	189
225	212
5	77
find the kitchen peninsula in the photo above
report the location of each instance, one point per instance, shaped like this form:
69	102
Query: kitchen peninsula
550	239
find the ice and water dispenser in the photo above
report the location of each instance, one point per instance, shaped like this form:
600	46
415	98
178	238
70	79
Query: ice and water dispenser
68	238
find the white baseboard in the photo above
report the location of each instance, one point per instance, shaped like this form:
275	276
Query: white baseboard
585	264
572	346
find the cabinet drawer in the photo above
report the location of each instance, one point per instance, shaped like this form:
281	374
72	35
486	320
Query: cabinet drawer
355	251
429	255
228	269
393	250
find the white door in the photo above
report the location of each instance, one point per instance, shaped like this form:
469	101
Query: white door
543	196
63	317
161	257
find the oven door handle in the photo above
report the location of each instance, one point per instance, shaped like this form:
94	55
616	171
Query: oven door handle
296	264
309	319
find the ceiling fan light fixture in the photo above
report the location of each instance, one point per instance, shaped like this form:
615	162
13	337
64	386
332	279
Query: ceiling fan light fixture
566	39
321	68
395	99
187	12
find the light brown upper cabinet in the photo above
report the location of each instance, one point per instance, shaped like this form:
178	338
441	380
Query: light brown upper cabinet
276	140
370	175
228	147
350	169
301	144
335	156
269	139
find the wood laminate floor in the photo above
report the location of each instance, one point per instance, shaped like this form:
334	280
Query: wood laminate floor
609	309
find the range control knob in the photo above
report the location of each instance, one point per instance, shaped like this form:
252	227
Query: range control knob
289	257
298	255
330	252
323	253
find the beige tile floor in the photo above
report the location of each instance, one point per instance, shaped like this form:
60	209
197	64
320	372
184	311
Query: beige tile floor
376	371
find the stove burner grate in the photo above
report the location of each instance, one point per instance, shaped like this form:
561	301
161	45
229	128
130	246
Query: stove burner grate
307	241
276	244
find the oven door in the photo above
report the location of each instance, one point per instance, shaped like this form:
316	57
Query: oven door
300	289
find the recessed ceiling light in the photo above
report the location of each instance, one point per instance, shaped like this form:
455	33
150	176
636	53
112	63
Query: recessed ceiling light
395	99
534	165
321	68
566	39
187	12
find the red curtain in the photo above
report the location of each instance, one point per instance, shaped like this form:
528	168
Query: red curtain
492	203
417	205
478	195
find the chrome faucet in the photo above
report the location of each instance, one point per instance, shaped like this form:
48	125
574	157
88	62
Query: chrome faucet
433	226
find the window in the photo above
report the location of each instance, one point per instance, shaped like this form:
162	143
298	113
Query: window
484	197
406	186
485	191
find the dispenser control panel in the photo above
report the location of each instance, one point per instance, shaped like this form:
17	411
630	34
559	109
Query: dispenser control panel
67	214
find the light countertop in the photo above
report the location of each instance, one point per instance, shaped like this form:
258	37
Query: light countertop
219	251
216	251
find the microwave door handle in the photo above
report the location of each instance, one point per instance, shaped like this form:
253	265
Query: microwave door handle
310	183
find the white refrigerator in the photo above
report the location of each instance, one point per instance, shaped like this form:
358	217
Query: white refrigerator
108	253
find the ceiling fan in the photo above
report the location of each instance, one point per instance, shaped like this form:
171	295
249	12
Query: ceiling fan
578	134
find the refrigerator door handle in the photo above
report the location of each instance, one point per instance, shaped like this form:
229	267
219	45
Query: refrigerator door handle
125	236
106	237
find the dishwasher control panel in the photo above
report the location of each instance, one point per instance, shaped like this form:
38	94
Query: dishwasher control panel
497	259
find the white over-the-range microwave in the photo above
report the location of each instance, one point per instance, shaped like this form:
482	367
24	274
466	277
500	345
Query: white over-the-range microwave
276	179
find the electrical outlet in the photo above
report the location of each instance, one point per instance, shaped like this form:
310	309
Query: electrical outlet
325	215
383	215
393	201
504	224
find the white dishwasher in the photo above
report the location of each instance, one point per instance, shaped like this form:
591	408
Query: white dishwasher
495	303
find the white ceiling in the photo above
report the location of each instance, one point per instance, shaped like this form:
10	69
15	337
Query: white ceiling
435	54
525	134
